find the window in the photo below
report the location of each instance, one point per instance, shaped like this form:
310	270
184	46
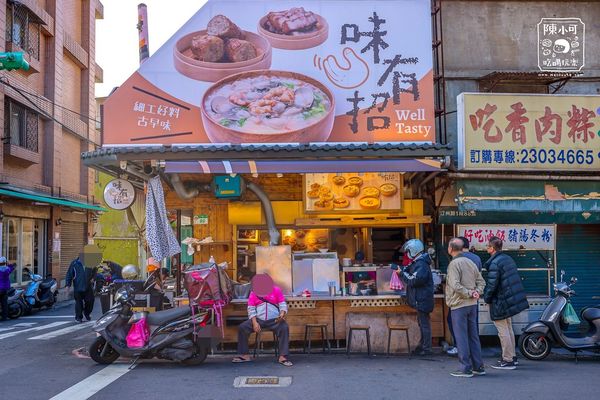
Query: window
23	244
22	126
23	29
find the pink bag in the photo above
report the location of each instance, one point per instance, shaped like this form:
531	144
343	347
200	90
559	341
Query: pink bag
396	282
138	335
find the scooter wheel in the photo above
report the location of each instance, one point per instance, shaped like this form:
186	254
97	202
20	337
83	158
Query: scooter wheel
16	311
198	358
534	346
95	350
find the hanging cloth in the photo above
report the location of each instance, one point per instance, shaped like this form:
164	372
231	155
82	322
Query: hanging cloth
159	234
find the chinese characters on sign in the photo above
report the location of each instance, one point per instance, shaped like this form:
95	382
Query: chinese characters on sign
529	132
393	76
561	44
119	194
514	237
155	115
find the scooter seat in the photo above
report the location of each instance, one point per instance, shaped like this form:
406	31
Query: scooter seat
47	284
591	314
160	317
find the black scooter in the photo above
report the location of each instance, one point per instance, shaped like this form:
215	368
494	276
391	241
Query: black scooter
16	303
175	334
537	338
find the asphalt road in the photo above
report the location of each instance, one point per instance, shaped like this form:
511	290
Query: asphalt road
39	361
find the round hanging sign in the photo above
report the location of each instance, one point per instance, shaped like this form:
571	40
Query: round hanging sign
119	194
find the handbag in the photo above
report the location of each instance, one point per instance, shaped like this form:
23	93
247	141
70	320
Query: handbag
396	282
138	335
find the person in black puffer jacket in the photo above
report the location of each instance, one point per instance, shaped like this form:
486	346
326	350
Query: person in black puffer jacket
505	294
419	290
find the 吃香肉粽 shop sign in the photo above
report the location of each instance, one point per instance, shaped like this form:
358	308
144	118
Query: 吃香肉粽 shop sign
528	132
308	71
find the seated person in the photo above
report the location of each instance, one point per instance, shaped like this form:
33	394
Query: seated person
266	310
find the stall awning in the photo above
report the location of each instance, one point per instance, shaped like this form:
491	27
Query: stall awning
5	191
302	166
556	197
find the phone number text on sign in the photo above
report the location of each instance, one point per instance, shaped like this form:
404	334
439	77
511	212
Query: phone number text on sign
534	156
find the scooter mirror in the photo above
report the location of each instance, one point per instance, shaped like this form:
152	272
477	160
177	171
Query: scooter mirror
574	279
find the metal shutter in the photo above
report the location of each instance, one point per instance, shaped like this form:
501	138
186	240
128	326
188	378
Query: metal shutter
578	253
71	244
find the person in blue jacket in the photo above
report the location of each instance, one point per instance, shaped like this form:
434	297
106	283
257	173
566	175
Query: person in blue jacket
5	271
81	274
419	290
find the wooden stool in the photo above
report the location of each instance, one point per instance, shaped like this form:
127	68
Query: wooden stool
307	336
367	330
392	328
258	342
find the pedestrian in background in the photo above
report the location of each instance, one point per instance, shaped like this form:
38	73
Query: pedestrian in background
81	274
505	294
5	271
477	260
419	290
464	285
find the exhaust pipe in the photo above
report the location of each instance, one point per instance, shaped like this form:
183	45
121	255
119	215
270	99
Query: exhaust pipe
184	192
268	210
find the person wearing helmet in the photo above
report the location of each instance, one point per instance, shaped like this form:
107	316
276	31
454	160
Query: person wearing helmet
419	290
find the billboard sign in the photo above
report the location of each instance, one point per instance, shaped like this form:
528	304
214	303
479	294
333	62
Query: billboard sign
284	72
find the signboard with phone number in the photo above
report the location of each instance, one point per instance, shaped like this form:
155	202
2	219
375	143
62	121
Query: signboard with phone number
529	132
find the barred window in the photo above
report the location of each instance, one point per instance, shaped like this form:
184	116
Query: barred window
23	29
22	125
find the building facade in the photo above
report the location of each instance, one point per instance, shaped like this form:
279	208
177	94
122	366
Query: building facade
48	120
554	189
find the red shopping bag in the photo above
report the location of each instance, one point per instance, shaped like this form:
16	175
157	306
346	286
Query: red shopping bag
396	282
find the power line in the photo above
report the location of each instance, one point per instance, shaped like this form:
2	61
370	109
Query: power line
4	80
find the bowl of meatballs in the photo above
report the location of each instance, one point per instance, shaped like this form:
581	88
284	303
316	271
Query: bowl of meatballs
221	50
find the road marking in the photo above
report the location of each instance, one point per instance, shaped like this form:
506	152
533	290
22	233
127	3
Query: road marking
93	384
25	324
47	316
21	325
37	328
60	332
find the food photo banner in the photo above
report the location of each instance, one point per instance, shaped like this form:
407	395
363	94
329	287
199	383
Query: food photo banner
249	72
514	237
353	192
528	132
